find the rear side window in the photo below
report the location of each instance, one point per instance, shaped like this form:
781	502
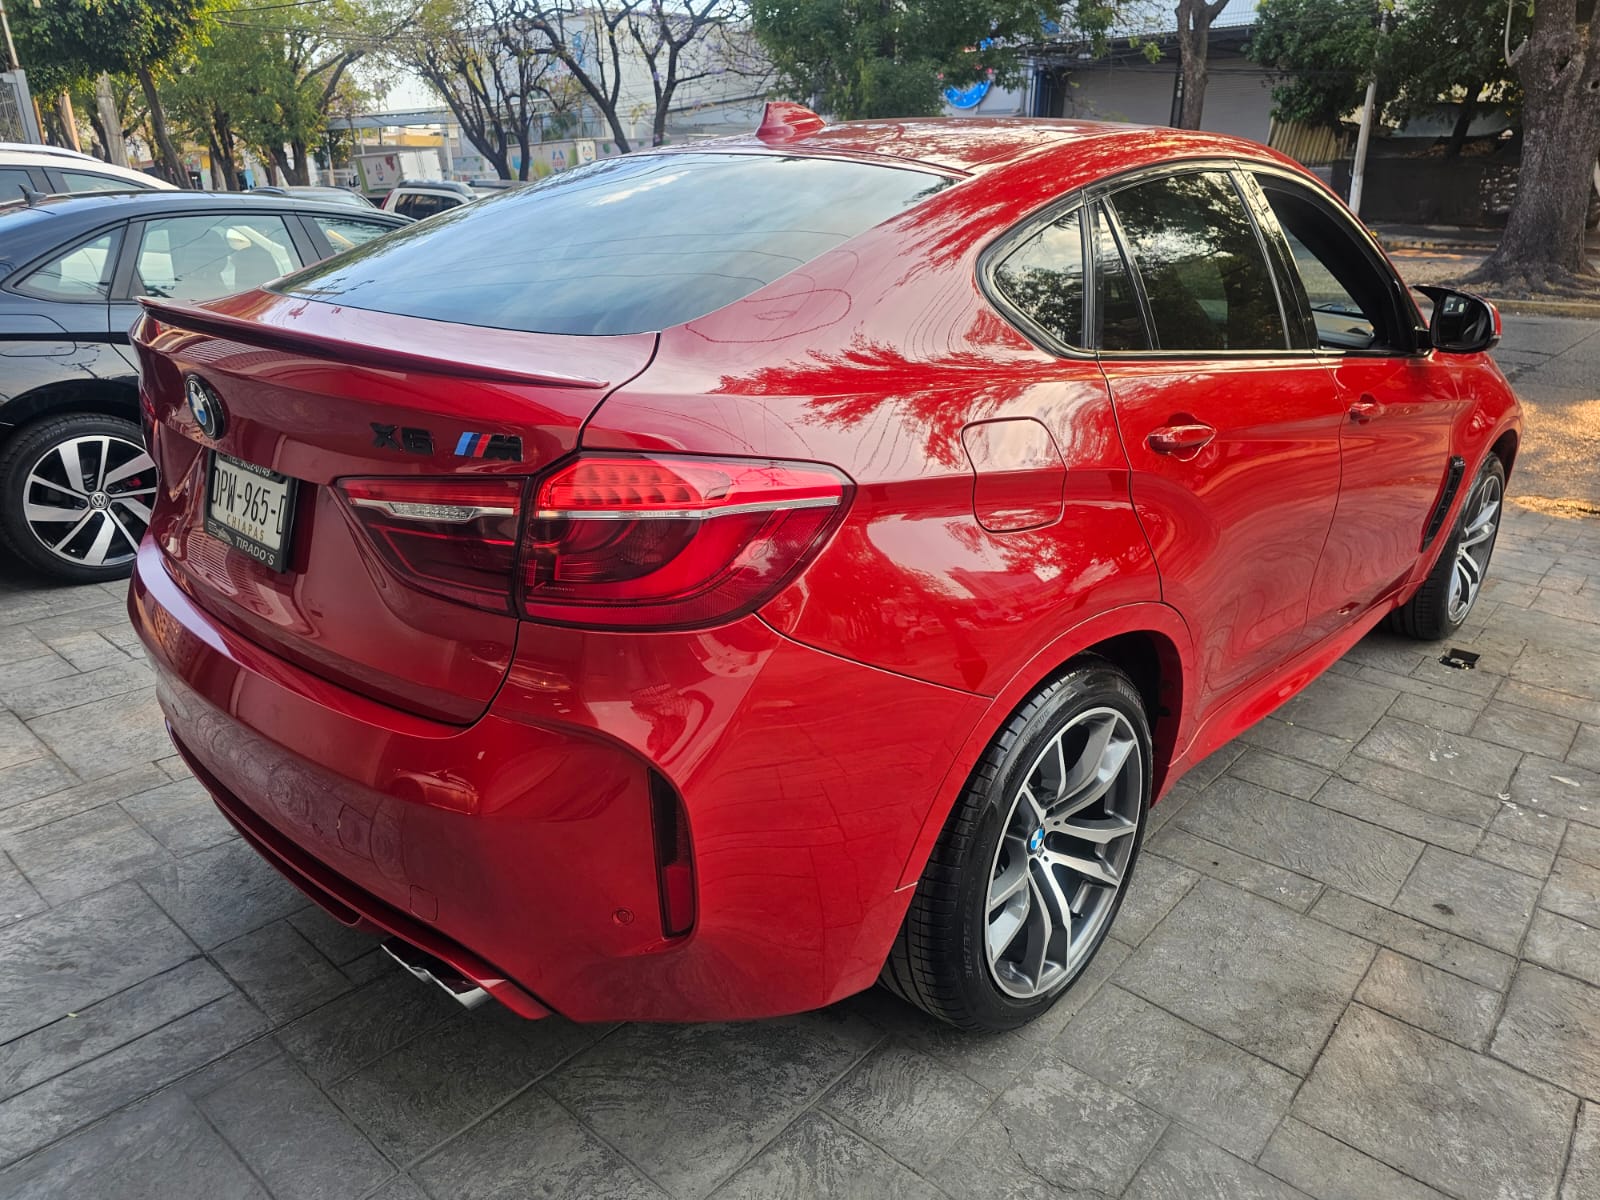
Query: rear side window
14	181
1043	279
1121	324
425	204
200	258
1201	263
627	245
87	181
346	233
82	273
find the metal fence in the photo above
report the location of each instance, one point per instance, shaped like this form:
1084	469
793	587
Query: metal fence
16	109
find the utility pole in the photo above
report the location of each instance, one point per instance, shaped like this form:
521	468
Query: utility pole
1358	170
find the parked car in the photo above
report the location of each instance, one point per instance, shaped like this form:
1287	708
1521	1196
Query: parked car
717	578
418	198
48	169
75	482
333	195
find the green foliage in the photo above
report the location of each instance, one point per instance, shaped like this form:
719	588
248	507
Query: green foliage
894	58
271	76
1327	51
64	43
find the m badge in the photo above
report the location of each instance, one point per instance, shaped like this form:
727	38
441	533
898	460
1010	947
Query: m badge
490	445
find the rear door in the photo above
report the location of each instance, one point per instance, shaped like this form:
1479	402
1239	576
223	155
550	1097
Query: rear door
1233	436
1399	403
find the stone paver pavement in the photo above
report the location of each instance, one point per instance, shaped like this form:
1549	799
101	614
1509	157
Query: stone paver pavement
1360	961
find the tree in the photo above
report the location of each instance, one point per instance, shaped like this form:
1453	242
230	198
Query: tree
1558	67
1194	34
601	43
494	70
1443	48
879	58
269	78
1323	52
133	37
1327	50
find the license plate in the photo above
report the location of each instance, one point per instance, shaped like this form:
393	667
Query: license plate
251	509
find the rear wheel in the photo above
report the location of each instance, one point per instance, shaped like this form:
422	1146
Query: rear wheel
75	495
1028	874
1447	596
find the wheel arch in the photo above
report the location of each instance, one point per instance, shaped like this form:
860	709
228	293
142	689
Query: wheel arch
1149	642
1505	449
113	397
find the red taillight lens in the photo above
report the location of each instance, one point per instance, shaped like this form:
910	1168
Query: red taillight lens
671	542
455	538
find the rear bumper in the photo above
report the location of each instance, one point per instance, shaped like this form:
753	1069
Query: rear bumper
519	849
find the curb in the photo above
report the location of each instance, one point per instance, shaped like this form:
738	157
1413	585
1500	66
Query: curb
1582	309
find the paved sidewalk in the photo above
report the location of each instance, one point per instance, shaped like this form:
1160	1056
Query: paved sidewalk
1360	961
1361	958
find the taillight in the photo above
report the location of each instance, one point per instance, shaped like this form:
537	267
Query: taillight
671	542
622	542
455	538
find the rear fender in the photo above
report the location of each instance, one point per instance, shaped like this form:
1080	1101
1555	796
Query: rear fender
1150	618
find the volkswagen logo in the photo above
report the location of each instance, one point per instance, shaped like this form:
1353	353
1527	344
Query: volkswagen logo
206	406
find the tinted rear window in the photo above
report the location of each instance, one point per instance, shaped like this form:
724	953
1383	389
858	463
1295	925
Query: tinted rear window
628	245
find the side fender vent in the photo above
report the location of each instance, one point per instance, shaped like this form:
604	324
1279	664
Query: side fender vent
1452	482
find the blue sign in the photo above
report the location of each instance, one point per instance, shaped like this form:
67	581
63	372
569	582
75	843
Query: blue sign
967	97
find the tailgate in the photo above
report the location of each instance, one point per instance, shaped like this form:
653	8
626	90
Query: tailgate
317	393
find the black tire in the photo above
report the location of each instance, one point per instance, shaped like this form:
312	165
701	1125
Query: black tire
1427	616
32	446
938	961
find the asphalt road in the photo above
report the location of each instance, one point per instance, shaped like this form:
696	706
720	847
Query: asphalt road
1554	363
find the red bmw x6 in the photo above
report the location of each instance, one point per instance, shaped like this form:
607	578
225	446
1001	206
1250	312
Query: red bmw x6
714	580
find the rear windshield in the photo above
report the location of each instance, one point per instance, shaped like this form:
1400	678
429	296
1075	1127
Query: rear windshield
628	245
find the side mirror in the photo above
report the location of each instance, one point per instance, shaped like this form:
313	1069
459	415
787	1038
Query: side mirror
1462	323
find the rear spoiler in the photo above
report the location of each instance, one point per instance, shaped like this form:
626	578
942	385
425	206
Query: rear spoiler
433	346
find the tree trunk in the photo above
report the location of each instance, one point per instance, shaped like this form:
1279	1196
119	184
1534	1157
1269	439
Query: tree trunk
1194	30
1458	135
223	149
280	163
1542	248
301	173
171	164
108	121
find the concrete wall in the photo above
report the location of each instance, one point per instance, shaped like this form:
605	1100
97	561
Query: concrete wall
1238	96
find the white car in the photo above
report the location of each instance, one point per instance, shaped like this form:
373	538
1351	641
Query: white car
51	169
418	198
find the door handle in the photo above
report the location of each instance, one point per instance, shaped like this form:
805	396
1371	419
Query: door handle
1365	409
1180	439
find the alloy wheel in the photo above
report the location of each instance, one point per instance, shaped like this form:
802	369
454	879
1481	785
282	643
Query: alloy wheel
1474	547
87	499
1068	840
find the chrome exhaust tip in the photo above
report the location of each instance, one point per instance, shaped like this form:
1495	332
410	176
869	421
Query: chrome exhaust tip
436	971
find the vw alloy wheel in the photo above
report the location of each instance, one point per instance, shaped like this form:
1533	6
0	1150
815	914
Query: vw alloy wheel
1064	854
87	499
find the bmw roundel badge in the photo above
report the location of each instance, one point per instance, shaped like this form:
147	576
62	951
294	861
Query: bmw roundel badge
206	406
